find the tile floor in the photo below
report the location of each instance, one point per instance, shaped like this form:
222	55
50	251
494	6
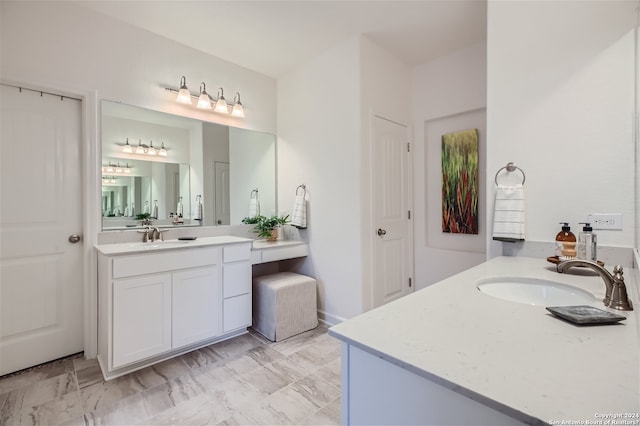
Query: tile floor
246	380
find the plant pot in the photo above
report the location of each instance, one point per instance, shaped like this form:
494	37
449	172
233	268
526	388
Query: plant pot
274	234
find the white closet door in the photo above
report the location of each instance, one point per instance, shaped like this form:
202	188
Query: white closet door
392	245
41	292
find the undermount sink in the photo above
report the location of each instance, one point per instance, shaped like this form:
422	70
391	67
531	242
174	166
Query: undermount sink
532	291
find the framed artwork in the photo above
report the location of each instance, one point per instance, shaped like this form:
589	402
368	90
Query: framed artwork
460	182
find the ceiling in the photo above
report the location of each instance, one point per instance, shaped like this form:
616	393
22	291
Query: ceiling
272	37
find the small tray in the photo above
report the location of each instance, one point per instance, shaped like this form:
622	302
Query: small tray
585	315
556	260
187	238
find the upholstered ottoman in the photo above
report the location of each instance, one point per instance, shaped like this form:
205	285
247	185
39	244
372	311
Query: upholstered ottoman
284	304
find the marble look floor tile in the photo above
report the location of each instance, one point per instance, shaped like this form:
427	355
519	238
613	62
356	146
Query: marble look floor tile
329	415
35	375
101	395
275	376
140	406
52	412
331	373
234	394
199	410
88	372
201	358
262	413
37	394
289	402
316	355
300	341
162	372
235	346
252	359
317	391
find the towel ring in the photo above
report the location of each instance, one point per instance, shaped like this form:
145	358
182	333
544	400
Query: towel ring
510	167
304	189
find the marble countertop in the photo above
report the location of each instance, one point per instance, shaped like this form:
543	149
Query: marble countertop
140	247
516	358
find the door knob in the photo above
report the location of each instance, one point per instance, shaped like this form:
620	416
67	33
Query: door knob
74	238
382	232
219	222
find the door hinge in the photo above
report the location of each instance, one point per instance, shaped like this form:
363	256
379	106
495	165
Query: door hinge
409	214
408	146
409	282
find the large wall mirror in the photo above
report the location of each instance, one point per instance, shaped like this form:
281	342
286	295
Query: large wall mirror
204	163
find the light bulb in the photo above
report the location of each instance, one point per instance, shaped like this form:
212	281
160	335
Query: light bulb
238	109
204	101
184	96
139	149
162	152
127	148
151	150
221	103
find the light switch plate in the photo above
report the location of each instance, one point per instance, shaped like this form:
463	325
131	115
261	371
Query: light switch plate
611	221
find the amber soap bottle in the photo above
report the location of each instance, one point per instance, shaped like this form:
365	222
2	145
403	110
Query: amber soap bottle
565	243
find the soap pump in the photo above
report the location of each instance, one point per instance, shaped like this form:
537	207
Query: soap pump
587	243
565	242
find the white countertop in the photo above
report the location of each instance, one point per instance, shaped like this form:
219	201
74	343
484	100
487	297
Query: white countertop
140	247
516	358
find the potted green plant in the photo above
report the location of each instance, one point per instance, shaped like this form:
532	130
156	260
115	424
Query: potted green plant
145	218
266	227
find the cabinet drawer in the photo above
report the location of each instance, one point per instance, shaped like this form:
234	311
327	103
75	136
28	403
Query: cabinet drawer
236	278
237	312
237	252
141	264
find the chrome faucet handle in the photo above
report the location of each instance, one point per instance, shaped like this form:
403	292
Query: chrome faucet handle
160	233
145	234
619	297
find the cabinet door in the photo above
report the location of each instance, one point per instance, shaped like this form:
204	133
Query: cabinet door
141	317
197	302
237	312
236	278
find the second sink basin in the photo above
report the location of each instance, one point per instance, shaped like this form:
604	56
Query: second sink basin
532	291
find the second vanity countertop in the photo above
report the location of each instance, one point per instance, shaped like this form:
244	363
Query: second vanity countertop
257	245
515	358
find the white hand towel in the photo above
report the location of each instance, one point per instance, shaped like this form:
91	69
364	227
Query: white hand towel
254	207
508	216
299	215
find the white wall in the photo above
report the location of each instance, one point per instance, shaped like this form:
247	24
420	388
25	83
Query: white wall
66	46
560	91
385	92
252	166
450	90
319	145
325	117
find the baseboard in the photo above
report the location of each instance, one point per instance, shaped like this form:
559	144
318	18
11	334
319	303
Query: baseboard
328	319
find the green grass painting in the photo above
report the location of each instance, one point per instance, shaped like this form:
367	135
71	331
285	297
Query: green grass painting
460	182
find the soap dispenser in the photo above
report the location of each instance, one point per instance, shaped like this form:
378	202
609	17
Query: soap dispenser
587	243
565	243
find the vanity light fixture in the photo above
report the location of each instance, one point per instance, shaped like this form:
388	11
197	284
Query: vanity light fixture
140	149
238	109
127	148
110	169
221	103
151	150
162	152
204	100
184	96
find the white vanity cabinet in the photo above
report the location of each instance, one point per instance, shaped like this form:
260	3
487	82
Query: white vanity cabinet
161	303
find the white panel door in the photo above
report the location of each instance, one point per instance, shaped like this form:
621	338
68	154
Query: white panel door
141	317
41	291
393	251
223	209
197	298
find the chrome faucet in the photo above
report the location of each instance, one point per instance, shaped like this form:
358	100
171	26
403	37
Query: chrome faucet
616	295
